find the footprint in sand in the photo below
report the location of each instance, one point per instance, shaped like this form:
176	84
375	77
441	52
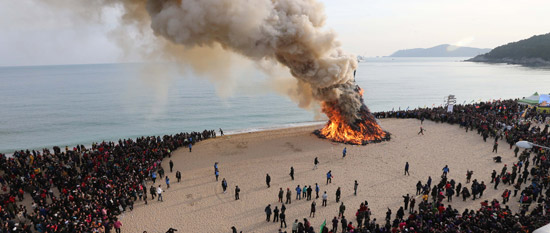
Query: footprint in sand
292	147
242	145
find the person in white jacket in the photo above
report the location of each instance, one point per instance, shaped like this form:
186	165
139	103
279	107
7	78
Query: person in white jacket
159	193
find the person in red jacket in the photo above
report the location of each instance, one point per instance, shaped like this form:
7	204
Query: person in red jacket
441	208
505	196
350	226
117	225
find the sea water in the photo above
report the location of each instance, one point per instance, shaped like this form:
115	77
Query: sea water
66	105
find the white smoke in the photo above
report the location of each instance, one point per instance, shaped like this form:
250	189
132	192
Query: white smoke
289	32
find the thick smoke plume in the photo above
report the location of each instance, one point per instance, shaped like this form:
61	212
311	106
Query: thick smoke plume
289	32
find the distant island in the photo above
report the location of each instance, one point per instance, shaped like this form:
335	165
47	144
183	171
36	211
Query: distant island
444	50
534	51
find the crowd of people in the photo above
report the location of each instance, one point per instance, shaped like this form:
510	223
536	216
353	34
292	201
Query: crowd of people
503	121
84	189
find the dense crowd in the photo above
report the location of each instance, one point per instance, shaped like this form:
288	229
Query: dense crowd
82	189
499	120
85	189
430	210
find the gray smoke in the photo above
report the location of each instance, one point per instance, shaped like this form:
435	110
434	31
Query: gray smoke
289	32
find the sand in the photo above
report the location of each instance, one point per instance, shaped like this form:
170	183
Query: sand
197	204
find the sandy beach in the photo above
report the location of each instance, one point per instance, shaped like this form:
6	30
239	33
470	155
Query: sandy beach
197	204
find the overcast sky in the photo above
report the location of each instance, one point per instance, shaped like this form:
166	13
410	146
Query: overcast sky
34	34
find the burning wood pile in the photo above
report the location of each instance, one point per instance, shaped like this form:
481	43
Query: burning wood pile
362	131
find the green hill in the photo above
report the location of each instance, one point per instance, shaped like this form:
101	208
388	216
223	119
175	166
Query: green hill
534	51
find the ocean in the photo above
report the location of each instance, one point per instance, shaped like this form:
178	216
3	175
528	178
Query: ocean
66	105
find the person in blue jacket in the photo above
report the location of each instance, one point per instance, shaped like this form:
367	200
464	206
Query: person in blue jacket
317	189
329	176
344	152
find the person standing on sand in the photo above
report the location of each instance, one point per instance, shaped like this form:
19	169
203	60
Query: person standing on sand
329	176
406	201
497	181
152	190
117	225
469	175
221	132
295	226
419	188
178	176
234	229
282	217
224	185
281	193
268	213
344	152
317	189
154	176
315	162
217	174
503	171
167	182
338	193
161	172
171	165
344	222
421	131
355	188
298	192
268	180
341	210
325	198
288	196
312	211
237	191
276	214
159	193
495	147
292	173
411	205
445	171
407	169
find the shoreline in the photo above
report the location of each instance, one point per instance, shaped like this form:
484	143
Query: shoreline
524	62
228	133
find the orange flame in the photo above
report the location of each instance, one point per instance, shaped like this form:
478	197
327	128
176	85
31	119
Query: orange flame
338	130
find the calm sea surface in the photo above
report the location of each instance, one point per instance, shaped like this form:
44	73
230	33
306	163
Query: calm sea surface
79	104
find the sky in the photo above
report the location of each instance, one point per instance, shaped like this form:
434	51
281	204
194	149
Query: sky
32	33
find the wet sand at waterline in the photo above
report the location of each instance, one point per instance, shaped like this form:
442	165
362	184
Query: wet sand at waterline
197	204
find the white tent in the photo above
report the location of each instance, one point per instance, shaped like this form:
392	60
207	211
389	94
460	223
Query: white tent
531	100
544	229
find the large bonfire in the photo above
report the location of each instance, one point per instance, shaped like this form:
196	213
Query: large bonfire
364	130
